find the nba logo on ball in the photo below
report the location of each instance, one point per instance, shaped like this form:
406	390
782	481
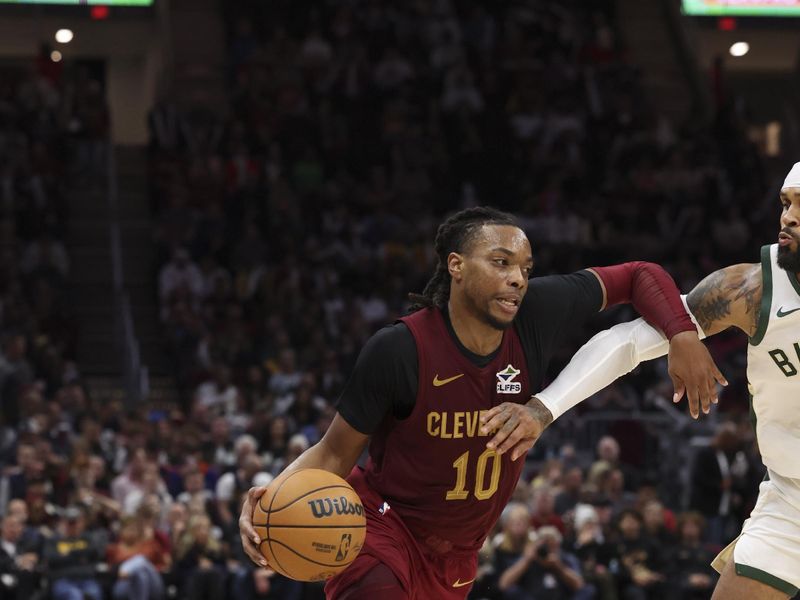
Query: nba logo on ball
506	383
344	547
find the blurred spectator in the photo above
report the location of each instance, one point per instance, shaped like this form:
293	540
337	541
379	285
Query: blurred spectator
570	493
181	276
641	562
607	458
654	517
19	561
200	561
15	373
219	396
232	485
132	479
138	562
594	551
195	492
543	509
718	474
73	558
539	568
692	576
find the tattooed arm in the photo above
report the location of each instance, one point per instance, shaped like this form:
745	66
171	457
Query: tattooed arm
728	297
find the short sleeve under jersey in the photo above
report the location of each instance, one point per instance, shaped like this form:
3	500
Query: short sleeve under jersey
384	379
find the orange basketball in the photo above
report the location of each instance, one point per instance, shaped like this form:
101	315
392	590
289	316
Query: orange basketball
311	524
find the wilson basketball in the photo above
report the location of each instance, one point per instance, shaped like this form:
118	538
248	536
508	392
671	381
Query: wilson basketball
311	524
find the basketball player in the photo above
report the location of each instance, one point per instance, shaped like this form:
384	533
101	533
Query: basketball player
436	481
763	300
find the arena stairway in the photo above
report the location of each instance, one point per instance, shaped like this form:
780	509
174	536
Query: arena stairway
91	291
140	268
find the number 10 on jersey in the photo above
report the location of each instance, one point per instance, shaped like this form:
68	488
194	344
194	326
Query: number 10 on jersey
481	491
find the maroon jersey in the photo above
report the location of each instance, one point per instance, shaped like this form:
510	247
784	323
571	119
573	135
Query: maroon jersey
433	467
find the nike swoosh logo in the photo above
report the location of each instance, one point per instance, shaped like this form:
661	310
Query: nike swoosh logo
440	382
780	312
459	583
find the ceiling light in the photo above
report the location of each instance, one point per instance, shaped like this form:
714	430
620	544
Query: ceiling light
739	49
64	36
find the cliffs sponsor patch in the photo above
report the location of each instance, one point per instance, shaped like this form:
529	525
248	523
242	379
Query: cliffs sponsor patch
506	383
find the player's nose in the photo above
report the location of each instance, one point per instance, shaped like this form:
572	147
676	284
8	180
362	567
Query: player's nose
791	217
517	277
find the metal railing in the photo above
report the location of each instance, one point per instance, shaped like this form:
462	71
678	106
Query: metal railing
135	376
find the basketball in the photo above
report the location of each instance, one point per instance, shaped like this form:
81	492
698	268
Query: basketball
311	524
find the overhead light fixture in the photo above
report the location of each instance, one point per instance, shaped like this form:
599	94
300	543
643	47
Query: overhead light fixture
55	56
739	49
64	36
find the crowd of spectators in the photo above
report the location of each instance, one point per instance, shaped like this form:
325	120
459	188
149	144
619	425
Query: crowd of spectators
292	227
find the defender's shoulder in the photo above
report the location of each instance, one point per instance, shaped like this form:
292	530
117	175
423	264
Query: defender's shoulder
728	297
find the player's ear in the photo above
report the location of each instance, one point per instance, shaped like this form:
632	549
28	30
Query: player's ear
455	265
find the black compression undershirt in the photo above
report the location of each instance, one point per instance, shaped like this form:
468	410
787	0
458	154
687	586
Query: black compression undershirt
384	380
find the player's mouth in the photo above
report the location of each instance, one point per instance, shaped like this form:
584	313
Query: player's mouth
785	239
509	304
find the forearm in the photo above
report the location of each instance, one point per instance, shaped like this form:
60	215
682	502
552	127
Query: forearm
569	577
607	356
321	456
651	291
513	573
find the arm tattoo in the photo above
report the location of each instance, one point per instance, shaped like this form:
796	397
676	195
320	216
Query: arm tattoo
725	292
540	411
708	301
751	291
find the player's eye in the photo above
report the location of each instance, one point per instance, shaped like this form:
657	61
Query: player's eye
501	261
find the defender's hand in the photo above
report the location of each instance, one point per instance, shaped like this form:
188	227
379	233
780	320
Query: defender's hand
693	372
518	426
250	539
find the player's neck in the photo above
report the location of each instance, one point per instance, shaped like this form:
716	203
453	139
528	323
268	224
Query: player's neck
474	334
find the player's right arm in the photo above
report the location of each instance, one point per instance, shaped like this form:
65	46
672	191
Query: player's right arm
383	381
730	297
337	452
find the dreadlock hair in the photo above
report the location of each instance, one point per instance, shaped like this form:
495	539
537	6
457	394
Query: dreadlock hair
455	234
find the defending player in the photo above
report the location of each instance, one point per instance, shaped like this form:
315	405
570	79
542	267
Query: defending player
481	336
763	300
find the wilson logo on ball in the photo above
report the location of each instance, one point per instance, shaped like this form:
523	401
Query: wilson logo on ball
325	507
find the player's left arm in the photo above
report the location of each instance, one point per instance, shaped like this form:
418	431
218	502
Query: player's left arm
650	289
730	297
653	293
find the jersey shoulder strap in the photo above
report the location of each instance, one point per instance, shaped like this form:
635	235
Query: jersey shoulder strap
766	296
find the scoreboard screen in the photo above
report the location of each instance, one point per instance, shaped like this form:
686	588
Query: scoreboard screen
742	8
83	2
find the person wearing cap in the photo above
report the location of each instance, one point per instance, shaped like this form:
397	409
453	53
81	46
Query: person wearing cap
761	299
72	557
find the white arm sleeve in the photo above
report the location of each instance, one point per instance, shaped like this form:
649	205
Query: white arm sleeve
606	357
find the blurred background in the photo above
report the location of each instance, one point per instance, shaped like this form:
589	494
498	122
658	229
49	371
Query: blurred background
207	207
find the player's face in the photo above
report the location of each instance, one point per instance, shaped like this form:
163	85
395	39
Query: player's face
495	274
789	236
